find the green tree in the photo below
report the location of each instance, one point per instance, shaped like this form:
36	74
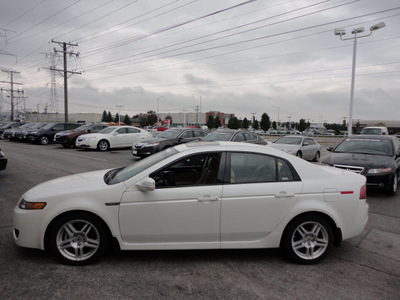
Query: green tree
256	125
274	125
143	121
127	120
151	118
233	123
265	123
104	116
210	122
302	125
109	117
116	119
245	123
217	122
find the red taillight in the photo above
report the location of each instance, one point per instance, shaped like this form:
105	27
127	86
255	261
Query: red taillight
363	192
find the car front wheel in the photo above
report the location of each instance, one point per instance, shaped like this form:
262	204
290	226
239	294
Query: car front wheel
78	239
103	145
307	239
317	156
44	140
391	188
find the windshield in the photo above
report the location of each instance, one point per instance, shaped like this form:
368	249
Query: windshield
108	129
82	128
136	168
37	125
169	134
289	140
48	126
25	125
5	125
375	147
371	131
218	136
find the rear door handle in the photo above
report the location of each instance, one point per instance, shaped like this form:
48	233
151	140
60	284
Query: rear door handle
284	194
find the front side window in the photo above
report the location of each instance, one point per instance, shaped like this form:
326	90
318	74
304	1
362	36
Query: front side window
193	170
133	130
250	137
239	138
187	134
121	130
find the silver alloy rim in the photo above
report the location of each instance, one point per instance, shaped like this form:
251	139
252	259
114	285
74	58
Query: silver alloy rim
310	240
395	183
44	140
78	240
103	145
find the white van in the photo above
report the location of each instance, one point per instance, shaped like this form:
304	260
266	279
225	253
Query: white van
375	130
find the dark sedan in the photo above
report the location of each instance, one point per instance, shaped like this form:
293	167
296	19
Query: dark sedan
235	136
375	157
68	138
3	161
167	139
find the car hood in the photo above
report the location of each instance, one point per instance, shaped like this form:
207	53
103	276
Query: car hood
357	159
284	146
151	140
66	185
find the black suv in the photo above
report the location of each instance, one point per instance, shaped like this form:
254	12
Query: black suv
168	138
46	134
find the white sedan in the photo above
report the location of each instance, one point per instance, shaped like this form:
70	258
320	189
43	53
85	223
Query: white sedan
112	137
215	195
301	146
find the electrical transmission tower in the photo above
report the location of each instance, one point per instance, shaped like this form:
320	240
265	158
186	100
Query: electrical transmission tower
65	71
53	106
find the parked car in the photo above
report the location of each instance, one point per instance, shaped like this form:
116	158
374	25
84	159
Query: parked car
375	130
216	195
21	134
68	138
301	146
166	139
235	136
9	133
112	137
45	135
3	160
377	157
8	125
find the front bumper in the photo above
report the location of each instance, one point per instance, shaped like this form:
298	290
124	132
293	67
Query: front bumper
379	180
142	152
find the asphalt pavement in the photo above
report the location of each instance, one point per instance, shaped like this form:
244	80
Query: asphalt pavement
366	267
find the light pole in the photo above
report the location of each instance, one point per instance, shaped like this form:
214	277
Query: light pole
158	102
278	112
201	100
355	31
119	113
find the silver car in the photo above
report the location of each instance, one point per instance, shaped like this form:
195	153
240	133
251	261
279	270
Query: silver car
301	146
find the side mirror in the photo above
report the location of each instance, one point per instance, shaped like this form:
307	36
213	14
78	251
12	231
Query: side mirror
306	144
146	185
115	133
330	149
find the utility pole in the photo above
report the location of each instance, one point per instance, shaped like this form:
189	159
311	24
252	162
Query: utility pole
65	71
11	90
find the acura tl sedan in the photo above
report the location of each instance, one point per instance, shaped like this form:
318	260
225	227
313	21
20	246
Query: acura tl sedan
301	146
377	157
235	136
208	195
112	137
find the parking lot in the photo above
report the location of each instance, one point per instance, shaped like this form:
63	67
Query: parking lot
366	267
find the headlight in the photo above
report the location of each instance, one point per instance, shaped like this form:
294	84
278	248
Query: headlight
378	171
31	205
2	154
291	151
34	132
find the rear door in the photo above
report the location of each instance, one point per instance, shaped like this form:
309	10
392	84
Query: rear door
261	191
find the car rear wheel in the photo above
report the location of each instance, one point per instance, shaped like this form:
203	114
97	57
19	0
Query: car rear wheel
299	154
78	239
307	239
44	140
103	145
317	156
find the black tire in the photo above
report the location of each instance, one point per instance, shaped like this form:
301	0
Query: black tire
103	145
317	156
307	239
299	154
73	144
44	140
78	239
391	188
65	145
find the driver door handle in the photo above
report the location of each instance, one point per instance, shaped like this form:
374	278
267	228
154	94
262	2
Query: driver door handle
284	194
207	199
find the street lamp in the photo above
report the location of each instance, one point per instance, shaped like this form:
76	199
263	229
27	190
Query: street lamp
278	112
119	113
341	33
200	107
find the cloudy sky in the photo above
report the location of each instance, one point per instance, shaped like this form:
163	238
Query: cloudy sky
236	56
